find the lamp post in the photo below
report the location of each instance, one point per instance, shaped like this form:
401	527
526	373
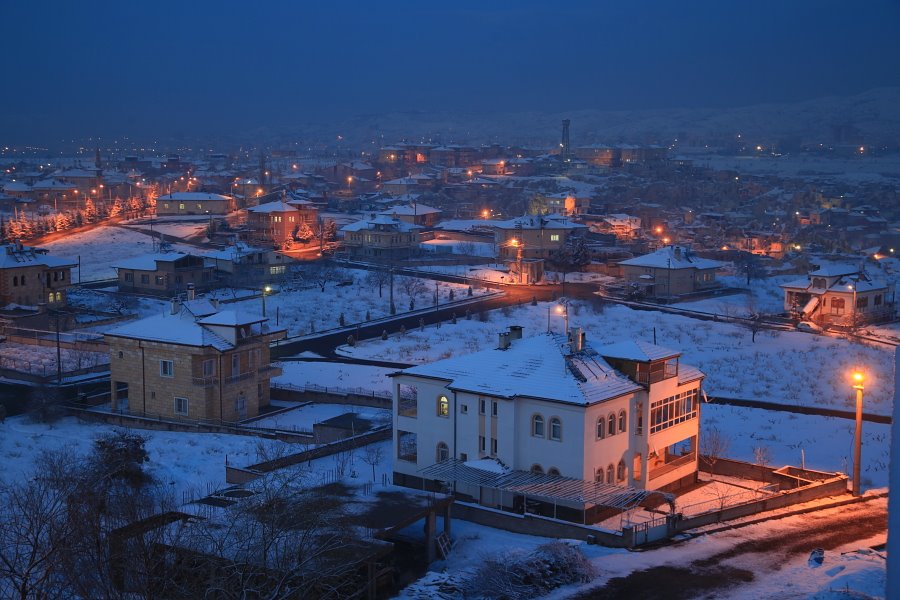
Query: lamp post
858	379
561	309
265	291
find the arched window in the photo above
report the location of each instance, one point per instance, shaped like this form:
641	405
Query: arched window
555	429
537	469
610	473
601	428
443	406
443	452
620	471
553	471
611	425
598	475
622	421
50	297
639	420
537	426
58	296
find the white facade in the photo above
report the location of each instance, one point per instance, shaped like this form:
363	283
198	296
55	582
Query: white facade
538	406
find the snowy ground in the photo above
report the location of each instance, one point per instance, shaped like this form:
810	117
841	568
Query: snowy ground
41	360
857	169
174	230
787	367
459	247
336	375
304	417
101	247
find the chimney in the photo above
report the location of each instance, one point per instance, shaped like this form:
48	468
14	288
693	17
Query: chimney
176	306
677	251
191	292
215	303
576	339
504	340
515	332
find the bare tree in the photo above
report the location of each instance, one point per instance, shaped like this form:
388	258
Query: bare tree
413	287
713	445
372	455
378	278
322	273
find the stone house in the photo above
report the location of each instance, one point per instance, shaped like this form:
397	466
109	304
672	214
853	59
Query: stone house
839	295
164	274
193	363
669	272
194	203
381	238
30	276
533	237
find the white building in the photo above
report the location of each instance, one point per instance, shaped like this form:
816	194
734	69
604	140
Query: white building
624	415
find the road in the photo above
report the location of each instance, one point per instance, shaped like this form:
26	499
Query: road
756	561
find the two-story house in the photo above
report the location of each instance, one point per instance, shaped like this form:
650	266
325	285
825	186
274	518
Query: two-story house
671	271
624	415
839	295
194	203
164	274
281	222
30	276
533	237
381	238
195	362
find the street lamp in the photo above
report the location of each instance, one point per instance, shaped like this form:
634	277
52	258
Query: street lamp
561	309
265	291
858	379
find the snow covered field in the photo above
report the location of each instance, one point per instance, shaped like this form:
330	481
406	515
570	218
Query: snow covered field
337	375
102	246
304	417
787	367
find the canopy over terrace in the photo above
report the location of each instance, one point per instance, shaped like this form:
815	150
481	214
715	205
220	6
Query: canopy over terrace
553	488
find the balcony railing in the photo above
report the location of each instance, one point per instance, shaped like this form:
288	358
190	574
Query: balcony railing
240	377
672	465
270	371
205	381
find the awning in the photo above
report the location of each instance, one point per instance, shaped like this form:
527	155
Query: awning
541	485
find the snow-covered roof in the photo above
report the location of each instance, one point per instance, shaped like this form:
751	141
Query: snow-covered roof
233	252
181	328
382	220
673	257
231	318
536	367
16	186
538	222
12	257
636	350
835	271
411	210
273	207
53	184
148	262
191	197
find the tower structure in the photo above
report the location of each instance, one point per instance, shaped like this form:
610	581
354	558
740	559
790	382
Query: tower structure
564	148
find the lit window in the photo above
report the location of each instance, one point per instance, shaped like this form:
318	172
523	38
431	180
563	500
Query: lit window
443	406
554	237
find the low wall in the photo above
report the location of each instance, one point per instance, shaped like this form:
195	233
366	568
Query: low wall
836	486
344	445
535	525
287	394
237	475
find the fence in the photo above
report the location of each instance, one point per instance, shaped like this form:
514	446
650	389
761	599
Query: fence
331	395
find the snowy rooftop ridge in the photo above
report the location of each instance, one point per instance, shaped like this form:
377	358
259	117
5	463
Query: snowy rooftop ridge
673	257
544	367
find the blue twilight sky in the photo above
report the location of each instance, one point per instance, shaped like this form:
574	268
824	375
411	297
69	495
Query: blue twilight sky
192	67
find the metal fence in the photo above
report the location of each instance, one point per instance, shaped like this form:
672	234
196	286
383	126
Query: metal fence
337	390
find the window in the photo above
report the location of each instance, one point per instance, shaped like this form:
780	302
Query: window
601	428
181	206
622	421
50	298
181	406
209	367
464	409
58	296
639	422
611	425
555	429
145	278
493	446
494	409
537	426
129	277
598	475
537	469
235	364
240	406
407	446
62	275
178	279
463	456
620	471
160	280
15	282
837	306
610	473
862	302
166	368
443	452
443	406
673	410
481	443
877	300
553	471
482	406
554	237
407	401
276	270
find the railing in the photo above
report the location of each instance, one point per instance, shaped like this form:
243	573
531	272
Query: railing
270	371
311	387
673	465
240	377
205	381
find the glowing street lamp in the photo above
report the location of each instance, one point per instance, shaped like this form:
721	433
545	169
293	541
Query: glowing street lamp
265	291
858	379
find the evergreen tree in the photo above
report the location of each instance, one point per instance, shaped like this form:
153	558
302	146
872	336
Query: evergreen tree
91	214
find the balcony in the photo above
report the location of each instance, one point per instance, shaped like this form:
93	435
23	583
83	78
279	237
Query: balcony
205	382
270	371
240	377
672	465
